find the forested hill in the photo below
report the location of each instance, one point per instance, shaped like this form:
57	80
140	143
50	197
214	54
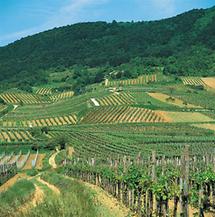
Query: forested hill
184	44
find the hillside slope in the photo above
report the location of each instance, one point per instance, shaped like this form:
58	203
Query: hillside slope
184	44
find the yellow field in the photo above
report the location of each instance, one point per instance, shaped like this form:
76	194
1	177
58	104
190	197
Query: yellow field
187	117
210	82
177	102
205	126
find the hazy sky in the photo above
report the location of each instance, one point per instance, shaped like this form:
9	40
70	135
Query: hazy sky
20	18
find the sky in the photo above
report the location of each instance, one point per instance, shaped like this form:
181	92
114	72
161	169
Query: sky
20	18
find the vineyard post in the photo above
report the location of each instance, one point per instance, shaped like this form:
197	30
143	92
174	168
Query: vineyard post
184	183
201	212
214	160
153	174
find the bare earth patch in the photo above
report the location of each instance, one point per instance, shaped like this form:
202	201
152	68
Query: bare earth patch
174	101
39	164
36	199
192	210
210	82
52	160
28	164
116	209
50	186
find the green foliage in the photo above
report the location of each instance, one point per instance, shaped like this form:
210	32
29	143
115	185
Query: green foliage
16	195
183	44
75	199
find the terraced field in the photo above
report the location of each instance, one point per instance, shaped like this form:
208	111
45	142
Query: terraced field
123	114
23	160
15	136
54	121
138	81
44	91
62	96
193	81
105	140
58	109
116	99
17	98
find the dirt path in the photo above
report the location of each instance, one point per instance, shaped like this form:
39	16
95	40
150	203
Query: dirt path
50	186
39	164
12	181
52	160
192	210
28	164
36	199
116	209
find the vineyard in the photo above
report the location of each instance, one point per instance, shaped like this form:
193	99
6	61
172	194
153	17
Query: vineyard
17	98
149	145
193	81
54	121
2	108
130	139
10	163
137	81
157	186
15	136
116	99
61	96
122	114
44	91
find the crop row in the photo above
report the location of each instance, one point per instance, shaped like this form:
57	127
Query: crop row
122	114
22	161
116	99
44	91
2	107
17	98
55	121
138	81
61	96
15	136
152	189
193	81
104	145
60	108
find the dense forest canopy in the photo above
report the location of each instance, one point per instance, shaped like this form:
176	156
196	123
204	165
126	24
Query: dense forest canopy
183	45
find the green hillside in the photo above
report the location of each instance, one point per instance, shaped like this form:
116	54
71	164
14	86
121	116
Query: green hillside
110	120
183	45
